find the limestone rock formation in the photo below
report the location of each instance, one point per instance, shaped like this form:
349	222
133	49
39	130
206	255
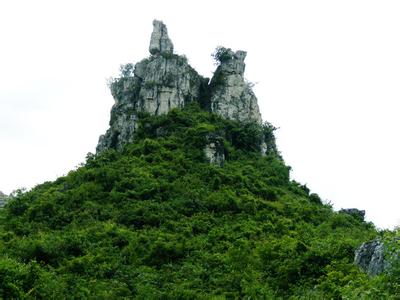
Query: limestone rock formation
155	85
160	42
231	96
165	81
214	149
370	257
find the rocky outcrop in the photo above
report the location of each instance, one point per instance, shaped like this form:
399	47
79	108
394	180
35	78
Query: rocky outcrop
370	257
379	255
214	150
165	81
3	199
160	42
354	212
154	85
231	96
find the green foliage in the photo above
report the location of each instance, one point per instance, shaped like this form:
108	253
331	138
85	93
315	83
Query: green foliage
222	54
156	220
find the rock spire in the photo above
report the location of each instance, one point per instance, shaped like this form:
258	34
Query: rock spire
231	96
165	81
160	42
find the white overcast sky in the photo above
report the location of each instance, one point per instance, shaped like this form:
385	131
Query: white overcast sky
327	74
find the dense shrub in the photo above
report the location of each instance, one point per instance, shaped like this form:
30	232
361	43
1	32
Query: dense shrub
156	220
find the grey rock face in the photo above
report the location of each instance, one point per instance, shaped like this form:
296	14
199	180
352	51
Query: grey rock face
158	84
354	212
264	148
3	199
160	42
231	96
370	257
165	81
214	150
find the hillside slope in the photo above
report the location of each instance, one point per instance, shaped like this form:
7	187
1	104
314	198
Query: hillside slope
157	220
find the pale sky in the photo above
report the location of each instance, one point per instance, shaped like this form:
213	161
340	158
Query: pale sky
327	74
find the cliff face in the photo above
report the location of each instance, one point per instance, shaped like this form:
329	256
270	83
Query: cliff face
165	81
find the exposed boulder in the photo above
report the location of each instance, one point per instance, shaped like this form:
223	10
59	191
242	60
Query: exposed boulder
160	42
231	96
370	257
360	214
214	149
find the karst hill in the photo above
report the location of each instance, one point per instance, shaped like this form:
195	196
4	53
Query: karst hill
187	197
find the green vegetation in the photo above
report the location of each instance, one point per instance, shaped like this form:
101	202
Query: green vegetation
157	221
222	54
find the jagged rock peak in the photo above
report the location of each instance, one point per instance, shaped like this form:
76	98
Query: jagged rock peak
160	42
155	85
231	95
165	81
233	62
